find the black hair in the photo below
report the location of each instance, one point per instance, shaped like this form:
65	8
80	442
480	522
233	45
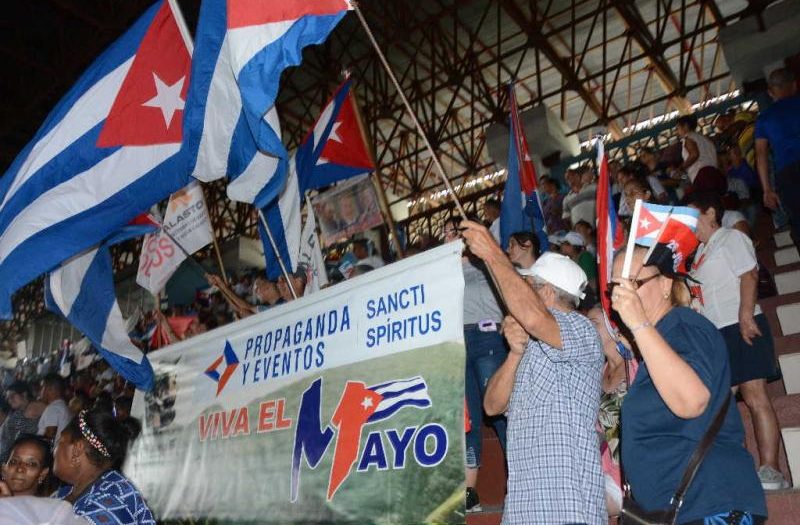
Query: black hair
525	237
704	200
360	242
115	435
56	382
492	202
4	408
690	121
22	388
41	443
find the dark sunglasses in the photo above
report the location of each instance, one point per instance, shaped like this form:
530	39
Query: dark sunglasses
637	283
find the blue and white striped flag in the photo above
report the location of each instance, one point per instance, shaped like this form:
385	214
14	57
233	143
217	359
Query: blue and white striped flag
109	150
241	50
82	290
412	392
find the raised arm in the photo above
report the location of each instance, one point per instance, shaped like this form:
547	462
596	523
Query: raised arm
498	390
694	153
523	303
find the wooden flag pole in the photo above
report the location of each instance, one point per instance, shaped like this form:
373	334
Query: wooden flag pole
376	175
410	111
277	253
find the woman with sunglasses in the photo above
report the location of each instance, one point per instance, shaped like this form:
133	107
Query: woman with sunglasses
681	384
727	272
88	456
27	471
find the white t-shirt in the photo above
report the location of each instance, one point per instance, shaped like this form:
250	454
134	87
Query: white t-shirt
373	260
706	154
719	265
731	217
55	415
655	185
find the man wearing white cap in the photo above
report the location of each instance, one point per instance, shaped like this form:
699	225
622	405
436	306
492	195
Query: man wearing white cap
549	387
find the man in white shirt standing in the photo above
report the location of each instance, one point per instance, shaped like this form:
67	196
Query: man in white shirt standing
56	416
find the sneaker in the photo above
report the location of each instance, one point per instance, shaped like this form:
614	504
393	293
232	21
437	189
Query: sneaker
473	503
770	479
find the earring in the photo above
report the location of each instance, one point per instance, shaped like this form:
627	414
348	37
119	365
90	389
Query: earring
666	295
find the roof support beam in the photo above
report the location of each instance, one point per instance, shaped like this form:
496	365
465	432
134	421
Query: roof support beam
562	65
655	53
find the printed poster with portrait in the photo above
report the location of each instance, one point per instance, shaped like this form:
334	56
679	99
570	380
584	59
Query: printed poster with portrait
347	209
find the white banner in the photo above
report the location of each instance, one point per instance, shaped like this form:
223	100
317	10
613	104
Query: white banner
230	411
311	254
188	223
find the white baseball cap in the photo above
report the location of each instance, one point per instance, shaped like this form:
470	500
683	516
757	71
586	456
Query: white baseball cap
560	271
556	238
575	239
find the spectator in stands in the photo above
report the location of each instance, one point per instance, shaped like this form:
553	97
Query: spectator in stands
552	204
699	157
523	249
87	458
549	385
27	471
636	188
24	417
615	384
661	183
361	249
491	216
682	383
581	207
573	180
298	279
743	181
78	402
574	247
266	292
486	351
588	234
726	268
56	416
626	174
778	130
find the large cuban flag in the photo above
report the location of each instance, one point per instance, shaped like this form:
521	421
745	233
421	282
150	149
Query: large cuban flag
333	150
521	209
241	49
106	152
82	290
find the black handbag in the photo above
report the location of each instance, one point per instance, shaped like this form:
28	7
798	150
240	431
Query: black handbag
633	514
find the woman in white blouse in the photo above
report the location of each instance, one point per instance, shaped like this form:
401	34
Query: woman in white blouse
727	272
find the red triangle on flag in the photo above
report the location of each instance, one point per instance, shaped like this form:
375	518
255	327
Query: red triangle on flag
345	145
648	223
148	108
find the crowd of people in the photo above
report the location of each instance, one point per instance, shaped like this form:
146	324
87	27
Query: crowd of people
582	411
652	390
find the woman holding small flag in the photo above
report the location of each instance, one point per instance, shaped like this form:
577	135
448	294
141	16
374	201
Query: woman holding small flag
727	272
682	385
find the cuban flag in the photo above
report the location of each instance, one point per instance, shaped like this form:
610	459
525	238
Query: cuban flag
610	236
521	209
242	48
82	291
107	151
333	150
648	219
396	395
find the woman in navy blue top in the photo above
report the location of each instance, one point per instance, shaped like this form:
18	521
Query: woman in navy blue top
683	381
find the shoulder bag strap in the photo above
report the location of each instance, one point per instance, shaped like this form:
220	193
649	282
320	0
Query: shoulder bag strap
699	454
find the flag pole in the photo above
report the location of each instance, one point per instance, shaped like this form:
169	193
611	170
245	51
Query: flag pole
437	163
410	111
277	253
217	251
196	265
376	175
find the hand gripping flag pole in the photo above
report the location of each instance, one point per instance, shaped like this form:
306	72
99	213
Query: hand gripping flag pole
420	130
285	273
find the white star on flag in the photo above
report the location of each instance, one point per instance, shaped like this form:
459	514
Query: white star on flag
367	403
168	98
644	223
334	134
